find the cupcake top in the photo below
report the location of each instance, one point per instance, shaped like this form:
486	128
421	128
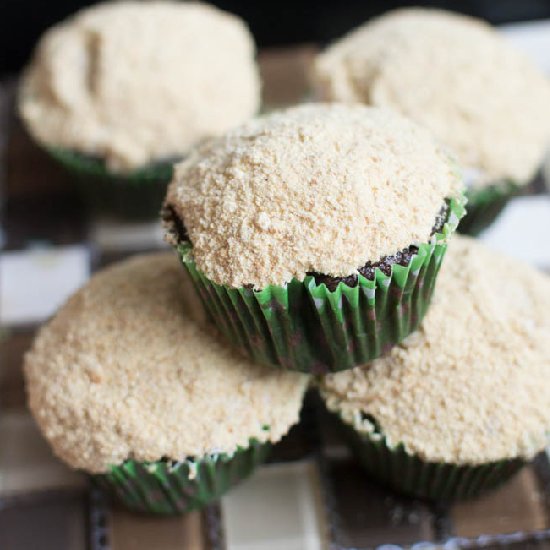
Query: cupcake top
316	188
456	76
471	386
135	82
122	372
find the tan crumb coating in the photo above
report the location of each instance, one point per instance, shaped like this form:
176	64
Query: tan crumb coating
473	385
122	372
320	188
135	82
455	75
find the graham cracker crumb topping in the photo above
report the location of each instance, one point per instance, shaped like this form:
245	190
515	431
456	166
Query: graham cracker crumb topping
316	188
122	372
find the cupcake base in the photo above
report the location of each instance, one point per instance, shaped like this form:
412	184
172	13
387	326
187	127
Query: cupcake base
412	476
170	488
136	196
485	205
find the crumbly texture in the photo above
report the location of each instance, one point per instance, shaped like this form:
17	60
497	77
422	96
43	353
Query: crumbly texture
135	82
456	76
316	188
122	372
472	385
385	264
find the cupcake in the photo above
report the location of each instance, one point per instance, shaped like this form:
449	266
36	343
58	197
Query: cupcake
460	79
314	235
121	90
464	402
126	387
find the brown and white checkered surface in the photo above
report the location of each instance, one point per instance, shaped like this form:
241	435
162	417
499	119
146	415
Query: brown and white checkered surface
311	495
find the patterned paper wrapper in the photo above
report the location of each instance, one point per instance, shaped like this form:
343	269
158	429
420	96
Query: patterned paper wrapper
307	327
410	475
170	488
485	205
135	196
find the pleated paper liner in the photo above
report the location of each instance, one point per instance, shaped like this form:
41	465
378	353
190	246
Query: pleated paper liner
409	475
307	327
170	488
133	196
485	205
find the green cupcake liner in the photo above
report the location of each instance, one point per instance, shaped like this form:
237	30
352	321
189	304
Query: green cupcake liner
485	205
169	488
133	196
309	328
410	475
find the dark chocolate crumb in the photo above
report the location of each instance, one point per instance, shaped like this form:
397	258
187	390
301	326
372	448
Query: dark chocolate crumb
440	219
402	257
172	220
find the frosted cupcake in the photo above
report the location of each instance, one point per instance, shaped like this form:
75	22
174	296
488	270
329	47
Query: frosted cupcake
314	235
463	403
460	79
119	91
127	388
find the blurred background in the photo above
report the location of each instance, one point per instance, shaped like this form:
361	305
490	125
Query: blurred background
273	22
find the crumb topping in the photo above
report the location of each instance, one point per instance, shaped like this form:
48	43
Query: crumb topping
471	386
122	372
316	188
456	76
135	82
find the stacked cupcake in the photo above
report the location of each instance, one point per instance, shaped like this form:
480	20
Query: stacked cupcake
312	239
314	235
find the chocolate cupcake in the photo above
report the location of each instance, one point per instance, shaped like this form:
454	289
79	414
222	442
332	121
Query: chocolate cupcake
126	387
460	79
464	402
314	235
121	90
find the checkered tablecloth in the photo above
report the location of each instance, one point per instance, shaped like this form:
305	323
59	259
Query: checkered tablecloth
311	495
